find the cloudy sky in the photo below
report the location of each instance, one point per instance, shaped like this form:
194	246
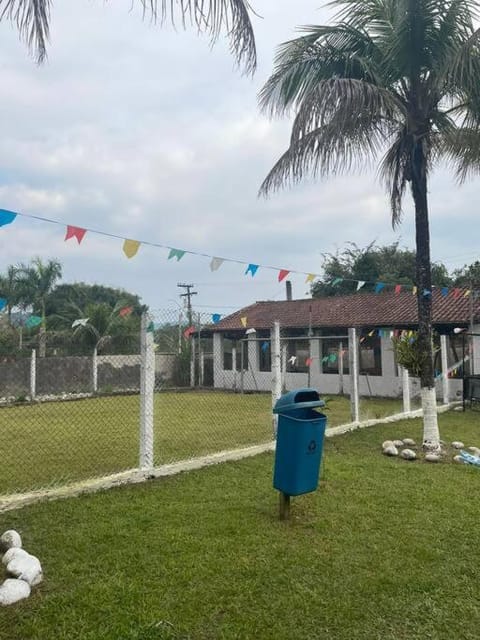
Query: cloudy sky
150	134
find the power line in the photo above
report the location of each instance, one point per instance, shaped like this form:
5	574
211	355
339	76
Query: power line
188	295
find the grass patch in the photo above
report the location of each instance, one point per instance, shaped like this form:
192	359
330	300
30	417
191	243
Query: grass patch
386	549
57	442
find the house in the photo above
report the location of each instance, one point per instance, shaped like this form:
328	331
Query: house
315	344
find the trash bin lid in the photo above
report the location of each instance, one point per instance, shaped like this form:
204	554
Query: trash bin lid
298	399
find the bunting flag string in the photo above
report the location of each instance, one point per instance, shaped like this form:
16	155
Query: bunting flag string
131	247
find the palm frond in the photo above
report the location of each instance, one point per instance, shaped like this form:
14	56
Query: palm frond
462	149
212	17
348	101
326	150
32	18
324	52
395	172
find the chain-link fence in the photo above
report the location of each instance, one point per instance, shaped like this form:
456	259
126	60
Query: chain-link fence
183	388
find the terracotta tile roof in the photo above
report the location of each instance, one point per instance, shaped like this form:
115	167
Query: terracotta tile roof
356	310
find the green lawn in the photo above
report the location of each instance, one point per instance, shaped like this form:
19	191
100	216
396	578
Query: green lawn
385	549
58	442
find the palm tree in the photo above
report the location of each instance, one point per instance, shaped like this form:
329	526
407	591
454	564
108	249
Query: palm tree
10	289
37	281
207	16
389	80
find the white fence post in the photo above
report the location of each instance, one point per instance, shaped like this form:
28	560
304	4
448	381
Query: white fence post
353	364
276	372
445	380
406	390
234	367
192	361
95	370
147	386
33	375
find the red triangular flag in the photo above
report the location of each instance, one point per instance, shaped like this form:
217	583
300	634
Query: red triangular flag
188	332
283	274
75	232
126	311
456	293
398	288
309	362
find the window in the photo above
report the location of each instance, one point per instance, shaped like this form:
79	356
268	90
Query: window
228	346
264	352
332	351
298	352
371	356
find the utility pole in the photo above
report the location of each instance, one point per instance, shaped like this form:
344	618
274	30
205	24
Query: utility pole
188	295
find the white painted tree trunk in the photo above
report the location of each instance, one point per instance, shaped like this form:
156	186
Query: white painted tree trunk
431	434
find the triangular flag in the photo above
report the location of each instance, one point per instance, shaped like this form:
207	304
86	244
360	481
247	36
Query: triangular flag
151	327
360	284
379	286
33	321
244	321
216	263
467	293
81	322
456	293
309	362
336	281
6	217
75	232
265	346
362	339
252	268
125	311
292	360
283	274
216	317
310	278
426	293
414	290
188	332
398	288
176	253
444	292
130	248
372	333
250	331
3	303
332	357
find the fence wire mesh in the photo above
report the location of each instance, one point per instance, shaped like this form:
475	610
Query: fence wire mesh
81	411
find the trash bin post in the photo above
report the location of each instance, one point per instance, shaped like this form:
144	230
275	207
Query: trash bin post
284	506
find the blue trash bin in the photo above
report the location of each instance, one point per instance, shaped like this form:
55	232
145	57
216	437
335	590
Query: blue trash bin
300	435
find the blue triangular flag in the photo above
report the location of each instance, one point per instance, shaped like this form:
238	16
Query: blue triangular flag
252	268
265	346
444	292
6	217
216	317
3	304
426	293
379	286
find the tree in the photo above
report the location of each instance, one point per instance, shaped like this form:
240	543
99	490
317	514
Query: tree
371	264
468	276
10	289
37	281
391	78
207	16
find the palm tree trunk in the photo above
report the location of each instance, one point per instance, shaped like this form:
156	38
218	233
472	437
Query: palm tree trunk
431	435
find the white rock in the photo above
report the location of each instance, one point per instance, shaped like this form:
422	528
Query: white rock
459	459
408	442
458	445
12	591
398	443
391	450
27	568
458	409
10	539
432	457
387	443
14	552
408	454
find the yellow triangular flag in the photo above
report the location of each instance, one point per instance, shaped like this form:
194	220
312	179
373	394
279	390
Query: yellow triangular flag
130	248
243	321
310	278
467	293
414	291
